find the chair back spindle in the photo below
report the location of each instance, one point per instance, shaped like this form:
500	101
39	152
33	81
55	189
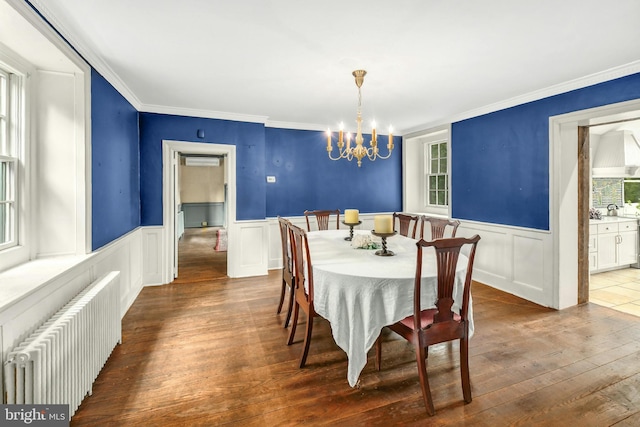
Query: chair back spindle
322	218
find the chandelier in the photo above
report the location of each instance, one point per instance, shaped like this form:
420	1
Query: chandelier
359	151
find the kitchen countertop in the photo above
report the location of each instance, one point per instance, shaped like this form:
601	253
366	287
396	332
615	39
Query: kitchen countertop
618	218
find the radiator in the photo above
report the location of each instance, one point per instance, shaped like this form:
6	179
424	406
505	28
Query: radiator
58	363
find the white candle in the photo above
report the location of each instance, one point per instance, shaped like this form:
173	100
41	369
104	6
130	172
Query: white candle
383	223
351	216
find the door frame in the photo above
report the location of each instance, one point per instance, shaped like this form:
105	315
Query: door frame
570	196
170	149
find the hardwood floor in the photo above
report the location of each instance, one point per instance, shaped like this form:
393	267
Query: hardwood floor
197	258
212	352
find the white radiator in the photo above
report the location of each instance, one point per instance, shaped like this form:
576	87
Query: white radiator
58	363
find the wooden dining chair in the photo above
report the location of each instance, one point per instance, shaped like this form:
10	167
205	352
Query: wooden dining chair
440	324
322	218
303	272
407	224
438	227
288	278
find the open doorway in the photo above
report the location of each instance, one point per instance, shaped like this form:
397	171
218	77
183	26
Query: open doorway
201	190
171	153
614	268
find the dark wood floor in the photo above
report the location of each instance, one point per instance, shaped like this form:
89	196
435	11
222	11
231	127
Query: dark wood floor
197	258
212	352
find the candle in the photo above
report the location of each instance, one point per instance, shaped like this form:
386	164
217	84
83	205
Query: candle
329	140
340	133
390	137
351	216
373	133
383	223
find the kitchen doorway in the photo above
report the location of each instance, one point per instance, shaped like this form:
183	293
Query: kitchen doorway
607	285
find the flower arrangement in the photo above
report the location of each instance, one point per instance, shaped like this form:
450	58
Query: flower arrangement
363	241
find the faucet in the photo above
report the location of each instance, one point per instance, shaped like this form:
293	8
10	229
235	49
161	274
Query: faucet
612	209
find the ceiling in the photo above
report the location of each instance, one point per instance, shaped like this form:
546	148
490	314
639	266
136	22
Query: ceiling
288	63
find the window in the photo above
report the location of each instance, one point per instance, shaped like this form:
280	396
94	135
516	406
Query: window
426	172
9	157
437	177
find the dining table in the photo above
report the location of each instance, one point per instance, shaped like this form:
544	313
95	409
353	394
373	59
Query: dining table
360	292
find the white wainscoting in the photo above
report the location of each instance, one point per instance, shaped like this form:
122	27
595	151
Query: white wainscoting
517	261
152	255
248	249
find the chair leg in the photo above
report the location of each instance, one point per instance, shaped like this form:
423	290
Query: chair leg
307	340
294	323
379	351
291	298
464	369
282	291
421	357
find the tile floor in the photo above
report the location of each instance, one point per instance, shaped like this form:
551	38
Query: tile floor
618	289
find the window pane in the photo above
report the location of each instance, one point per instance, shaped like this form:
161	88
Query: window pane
442	179
5	235
441	199
443	165
434	166
443	150
4	148
432	198
432	182
7	205
434	151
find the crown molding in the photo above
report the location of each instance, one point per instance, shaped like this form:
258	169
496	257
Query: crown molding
579	83
294	125
208	114
67	40
86	52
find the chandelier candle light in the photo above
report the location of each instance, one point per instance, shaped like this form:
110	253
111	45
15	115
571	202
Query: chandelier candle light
359	151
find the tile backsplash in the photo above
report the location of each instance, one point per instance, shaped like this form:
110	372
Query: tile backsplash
606	191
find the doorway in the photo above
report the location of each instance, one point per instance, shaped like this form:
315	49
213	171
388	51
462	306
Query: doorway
201	205
613	142
582	122
171	151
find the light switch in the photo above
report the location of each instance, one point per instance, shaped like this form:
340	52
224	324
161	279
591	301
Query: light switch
271	179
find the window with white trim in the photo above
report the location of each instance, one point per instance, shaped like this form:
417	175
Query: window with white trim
10	121
437	175
426	172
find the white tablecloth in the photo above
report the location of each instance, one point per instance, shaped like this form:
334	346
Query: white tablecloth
359	292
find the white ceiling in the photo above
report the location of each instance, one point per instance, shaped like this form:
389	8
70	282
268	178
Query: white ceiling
289	62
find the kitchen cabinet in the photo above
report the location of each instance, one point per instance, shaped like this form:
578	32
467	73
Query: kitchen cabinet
615	245
593	247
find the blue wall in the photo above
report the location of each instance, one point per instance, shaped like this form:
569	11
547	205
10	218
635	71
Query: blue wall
307	179
250	147
115	189
500	161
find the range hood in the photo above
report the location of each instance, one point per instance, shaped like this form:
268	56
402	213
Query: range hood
618	154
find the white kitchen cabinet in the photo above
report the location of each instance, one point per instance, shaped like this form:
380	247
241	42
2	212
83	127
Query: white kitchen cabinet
616	244
593	247
628	247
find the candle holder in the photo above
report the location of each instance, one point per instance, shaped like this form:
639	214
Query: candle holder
351	225
383	236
